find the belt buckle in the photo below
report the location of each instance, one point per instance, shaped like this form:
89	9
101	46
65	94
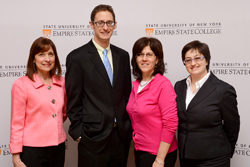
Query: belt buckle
114	125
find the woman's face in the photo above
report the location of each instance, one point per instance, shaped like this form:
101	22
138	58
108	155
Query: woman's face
146	61
196	63
45	61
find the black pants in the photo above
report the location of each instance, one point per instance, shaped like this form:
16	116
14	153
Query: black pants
223	161
145	159
52	156
115	154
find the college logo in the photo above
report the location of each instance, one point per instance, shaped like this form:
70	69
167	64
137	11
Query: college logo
149	32
242	149
46	33
17	71
192	28
224	68
68	31
12	71
4	150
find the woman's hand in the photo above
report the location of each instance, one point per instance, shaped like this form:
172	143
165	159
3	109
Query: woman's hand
79	139
161	155
17	162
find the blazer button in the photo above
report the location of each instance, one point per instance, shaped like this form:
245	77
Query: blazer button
53	101
49	87
54	115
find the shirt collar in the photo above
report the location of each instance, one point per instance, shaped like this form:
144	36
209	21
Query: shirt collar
136	83
198	83
99	48
38	82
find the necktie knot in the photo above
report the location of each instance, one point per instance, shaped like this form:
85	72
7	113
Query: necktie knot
105	51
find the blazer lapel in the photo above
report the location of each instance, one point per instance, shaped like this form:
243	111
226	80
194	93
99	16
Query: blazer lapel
95	58
116	62
182	95
207	88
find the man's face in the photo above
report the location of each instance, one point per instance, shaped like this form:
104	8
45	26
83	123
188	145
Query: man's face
103	33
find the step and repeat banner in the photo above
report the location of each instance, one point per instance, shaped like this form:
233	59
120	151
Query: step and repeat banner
224	25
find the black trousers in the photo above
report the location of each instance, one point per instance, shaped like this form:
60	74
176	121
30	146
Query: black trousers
52	156
115	154
145	159
223	161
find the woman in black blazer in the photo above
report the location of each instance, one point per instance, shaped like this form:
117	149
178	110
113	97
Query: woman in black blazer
207	109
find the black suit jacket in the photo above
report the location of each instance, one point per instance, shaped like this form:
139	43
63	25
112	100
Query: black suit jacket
93	102
209	127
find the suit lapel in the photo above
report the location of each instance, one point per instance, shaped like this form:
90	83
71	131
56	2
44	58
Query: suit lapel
95	58
182	95
204	92
116	61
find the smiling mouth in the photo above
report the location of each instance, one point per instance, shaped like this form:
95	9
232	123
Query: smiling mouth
47	65
195	67
144	64
105	33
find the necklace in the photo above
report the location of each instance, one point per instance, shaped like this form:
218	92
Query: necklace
145	83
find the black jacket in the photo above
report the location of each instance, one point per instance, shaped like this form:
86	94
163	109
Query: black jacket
92	101
209	127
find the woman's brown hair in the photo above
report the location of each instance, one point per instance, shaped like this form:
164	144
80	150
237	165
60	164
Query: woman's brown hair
42	45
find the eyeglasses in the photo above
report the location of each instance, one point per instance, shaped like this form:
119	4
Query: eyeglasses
148	55
196	60
102	23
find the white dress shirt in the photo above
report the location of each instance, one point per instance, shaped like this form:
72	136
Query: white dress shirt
190	94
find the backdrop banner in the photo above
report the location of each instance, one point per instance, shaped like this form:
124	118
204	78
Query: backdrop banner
224	25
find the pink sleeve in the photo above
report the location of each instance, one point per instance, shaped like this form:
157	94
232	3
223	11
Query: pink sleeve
18	108
167	103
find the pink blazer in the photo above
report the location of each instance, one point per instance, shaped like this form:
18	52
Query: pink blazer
153	115
37	113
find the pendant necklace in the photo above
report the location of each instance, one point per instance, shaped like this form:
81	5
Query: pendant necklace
145	83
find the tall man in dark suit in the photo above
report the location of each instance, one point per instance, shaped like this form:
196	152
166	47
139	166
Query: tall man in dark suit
98	85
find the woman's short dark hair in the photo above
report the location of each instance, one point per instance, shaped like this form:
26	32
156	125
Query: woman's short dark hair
201	47
156	46
100	8
42	45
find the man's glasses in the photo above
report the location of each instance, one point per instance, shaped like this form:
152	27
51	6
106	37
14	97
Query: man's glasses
148	55
102	23
196	59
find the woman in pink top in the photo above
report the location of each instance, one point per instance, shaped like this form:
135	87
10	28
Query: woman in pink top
152	107
38	110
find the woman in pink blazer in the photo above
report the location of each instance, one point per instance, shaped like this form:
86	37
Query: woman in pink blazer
38	110
152	107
